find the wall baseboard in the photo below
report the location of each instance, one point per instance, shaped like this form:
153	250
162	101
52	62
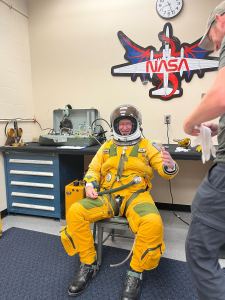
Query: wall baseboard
164	206
4	213
177	207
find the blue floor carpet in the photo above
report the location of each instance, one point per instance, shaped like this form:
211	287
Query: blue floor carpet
33	265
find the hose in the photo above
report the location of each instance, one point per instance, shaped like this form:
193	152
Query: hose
128	256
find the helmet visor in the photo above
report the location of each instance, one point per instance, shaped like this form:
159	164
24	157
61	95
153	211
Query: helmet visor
122	128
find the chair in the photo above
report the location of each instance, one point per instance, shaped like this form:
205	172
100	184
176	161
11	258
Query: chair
114	223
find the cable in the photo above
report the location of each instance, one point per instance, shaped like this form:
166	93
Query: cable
128	256
172	205
100	119
170	184
22	120
167	133
100	136
126	259
35	121
92	136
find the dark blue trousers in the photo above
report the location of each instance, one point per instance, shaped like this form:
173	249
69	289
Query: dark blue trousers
206	235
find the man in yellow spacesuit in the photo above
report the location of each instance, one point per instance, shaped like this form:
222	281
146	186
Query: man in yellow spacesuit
124	164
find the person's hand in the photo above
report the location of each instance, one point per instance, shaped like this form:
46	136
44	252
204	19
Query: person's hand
167	159
91	192
191	129
214	128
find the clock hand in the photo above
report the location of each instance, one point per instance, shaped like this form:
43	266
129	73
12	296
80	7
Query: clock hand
163	6
169	4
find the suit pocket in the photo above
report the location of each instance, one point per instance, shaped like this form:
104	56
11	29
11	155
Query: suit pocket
151	256
68	242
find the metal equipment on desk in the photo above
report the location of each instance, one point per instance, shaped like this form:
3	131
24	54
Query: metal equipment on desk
73	127
14	135
184	143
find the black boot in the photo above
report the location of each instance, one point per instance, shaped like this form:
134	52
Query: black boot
132	286
82	279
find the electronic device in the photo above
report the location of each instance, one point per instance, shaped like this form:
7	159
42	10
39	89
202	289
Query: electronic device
72	127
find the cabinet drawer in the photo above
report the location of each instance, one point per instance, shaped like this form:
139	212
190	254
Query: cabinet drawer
19	163
30	161
32	206
33	184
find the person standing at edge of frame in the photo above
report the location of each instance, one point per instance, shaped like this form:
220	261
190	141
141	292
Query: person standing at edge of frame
206	233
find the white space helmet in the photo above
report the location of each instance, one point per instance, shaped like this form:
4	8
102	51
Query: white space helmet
126	111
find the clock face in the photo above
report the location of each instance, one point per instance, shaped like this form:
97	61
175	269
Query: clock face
168	9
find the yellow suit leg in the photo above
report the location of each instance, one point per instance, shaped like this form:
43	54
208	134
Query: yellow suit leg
79	228
145	221
77	237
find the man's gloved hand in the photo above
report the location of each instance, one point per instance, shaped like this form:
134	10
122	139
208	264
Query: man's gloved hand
168	162
213	127
90	192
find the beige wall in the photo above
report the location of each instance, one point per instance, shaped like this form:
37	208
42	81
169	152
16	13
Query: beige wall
74	44
15	75
69	51
183	186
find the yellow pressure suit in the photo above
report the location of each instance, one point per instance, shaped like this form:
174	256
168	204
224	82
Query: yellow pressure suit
111	167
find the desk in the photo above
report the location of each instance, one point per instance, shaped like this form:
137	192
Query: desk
36	176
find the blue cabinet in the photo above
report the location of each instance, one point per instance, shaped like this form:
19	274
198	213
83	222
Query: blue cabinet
33	183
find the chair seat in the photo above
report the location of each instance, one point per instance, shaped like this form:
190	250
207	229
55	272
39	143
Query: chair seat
114	220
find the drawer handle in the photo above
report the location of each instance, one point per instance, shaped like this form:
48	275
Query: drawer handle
33	184
31	161
18	172
29	195
33	206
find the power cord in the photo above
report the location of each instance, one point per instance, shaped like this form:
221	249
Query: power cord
170	184
42	129
8	121
98	132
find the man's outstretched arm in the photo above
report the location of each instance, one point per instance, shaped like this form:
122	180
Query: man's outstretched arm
211	106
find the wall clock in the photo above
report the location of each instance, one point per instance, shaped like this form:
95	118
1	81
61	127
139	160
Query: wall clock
168	9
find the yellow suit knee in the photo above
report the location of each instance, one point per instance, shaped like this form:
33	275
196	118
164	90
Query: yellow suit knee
149	245
67	233
151	256
77	237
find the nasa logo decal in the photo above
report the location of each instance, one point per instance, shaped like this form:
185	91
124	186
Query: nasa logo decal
165	68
